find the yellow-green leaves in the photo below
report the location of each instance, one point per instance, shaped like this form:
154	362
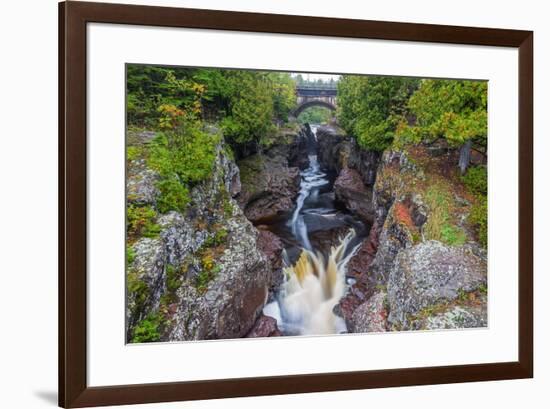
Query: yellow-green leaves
371	108
182	156
451	109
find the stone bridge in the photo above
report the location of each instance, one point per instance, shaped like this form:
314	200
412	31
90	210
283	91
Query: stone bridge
315	95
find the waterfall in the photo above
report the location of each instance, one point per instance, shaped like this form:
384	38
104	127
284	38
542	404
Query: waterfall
315	283
312	178
312	288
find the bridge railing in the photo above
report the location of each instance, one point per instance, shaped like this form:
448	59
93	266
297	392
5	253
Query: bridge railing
329	87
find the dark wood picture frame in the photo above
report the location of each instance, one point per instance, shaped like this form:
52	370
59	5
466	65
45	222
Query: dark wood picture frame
73	388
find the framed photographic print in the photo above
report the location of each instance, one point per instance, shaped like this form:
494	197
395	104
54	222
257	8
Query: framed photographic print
256	204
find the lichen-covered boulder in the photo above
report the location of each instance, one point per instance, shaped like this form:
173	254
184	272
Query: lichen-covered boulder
230	303
357	294
145	280
397	233
141	187
430	273
397	218
457	317
399	215
180	237
371	316
141	181
203	275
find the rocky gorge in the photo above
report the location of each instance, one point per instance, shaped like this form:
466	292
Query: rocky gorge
314	209
406	276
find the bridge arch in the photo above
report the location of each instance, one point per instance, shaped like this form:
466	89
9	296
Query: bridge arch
310	103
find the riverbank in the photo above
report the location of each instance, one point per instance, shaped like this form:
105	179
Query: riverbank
312	235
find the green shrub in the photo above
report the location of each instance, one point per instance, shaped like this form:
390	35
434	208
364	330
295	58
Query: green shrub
173	278
134	152
183	156
187	152
475	179
227	207
147	330
478	217
130	255
174	195
206	275
370	107
141	221
138	290
218	238
451	109
253	100
315	115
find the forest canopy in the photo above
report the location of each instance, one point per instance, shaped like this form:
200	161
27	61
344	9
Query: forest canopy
381	111
247	104
450	109
370	108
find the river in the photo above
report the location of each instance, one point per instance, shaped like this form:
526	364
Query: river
320	237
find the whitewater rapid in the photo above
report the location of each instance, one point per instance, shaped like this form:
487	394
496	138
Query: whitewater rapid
316	282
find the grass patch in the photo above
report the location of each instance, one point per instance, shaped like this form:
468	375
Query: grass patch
430	311
130	255
212	248
223	200
462	295
475	180
483	289
217	239
478	217
440	224
141	222
134	152
452	235
175	276
148	329
227	208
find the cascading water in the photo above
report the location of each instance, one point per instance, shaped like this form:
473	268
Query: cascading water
315	283
312	287
312	178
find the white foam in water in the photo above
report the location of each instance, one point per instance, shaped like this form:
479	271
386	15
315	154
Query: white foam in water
312	178
313	285
311	290
272	310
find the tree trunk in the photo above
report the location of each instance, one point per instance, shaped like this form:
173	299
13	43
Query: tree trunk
464	159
